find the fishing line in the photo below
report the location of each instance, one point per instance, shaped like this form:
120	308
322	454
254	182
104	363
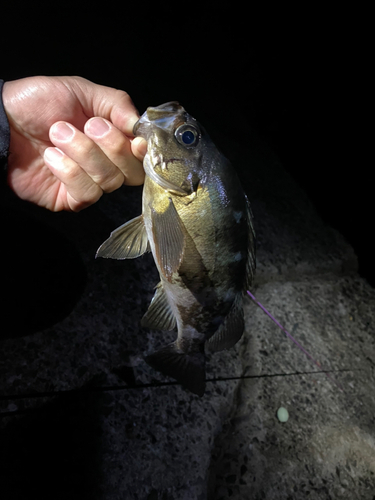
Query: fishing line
293	339
72	392
151	385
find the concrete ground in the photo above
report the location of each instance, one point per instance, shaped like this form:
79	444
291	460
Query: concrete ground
83	416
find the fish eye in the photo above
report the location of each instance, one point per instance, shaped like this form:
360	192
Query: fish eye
187	135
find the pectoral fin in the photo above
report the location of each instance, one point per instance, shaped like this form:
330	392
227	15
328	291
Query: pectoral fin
126	242
230	332
188	369
168	231
159	315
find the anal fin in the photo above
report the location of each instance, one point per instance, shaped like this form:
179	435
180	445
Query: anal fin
229	332
187	368
159	315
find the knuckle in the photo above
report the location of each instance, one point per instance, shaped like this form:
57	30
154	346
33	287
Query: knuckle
85	199
81	147
123	97
112	183
114	143
70	172
86	148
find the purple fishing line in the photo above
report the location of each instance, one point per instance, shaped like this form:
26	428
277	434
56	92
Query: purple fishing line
291	337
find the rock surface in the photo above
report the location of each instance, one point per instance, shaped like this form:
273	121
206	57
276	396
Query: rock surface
83	416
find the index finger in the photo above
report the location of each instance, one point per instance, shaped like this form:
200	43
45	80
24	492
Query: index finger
112	104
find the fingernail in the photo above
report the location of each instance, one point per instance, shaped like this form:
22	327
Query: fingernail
97	127
62	131
141	145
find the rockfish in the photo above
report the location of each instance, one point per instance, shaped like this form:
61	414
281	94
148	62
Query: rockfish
196	221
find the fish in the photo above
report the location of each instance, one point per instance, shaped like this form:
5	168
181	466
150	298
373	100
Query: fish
197	222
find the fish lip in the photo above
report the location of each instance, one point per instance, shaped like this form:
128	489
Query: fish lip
169	109
136	127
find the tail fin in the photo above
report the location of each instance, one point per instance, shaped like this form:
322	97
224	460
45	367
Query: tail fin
188	369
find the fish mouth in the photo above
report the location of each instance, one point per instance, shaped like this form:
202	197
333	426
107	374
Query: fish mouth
161	181
162	116
163	163
136	127
168	108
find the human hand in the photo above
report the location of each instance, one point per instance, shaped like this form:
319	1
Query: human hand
70	141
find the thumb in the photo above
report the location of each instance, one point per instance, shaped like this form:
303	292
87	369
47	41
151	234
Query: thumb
109	103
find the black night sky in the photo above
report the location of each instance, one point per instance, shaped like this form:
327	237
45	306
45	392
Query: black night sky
300	79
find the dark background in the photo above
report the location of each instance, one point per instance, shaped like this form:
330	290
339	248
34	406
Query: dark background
299	78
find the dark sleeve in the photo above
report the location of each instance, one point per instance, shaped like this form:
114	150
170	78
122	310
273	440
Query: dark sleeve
4	132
